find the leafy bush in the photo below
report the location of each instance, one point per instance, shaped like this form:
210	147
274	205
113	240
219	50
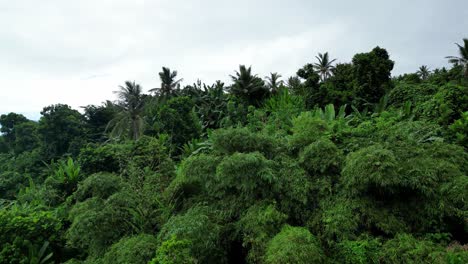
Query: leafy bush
194	177
110	219
242	179
371	170
104	158
10	184
321	158
306	129
232	140
197	227
257	226
294	245
363	250
174	251
23	229
177	119
460	130
131	250
447	104
404	248
293	190
338	220
99	185
408	92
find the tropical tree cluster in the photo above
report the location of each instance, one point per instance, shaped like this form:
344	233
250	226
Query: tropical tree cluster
340	163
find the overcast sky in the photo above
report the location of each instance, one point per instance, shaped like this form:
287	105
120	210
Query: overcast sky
77	52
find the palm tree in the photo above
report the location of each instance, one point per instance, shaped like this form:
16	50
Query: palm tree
462	60
273	81
423	72
169	82
129	119
324	66
247	86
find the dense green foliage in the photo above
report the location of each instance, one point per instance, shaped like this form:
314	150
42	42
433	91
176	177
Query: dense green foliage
339	164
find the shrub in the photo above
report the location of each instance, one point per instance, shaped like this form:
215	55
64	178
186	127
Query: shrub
197	227
306	129
100	185
363	250
294	245
131	250
104	158
22	229
257	226
321	158
371	170
232	140
174	251
242	179
459	129
404	248
110	220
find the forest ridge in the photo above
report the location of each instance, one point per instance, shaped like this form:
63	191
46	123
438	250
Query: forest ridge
341	163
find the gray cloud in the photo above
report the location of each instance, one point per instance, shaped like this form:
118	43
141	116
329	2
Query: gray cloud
78	52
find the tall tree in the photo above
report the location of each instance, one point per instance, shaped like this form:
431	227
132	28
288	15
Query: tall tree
61	130
129	119
462	59
176	118
324	66
423	72
7	126
248	87
169	82
372	75
274	82
309	89
97	118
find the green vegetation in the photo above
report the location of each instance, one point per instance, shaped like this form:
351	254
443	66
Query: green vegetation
338	164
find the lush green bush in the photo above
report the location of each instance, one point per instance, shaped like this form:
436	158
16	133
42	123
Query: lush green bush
294	245
241	179
174	251
363	250
337	220
131	250
198	227
257	226
230	141
306	129
404	248
293	190
460	130
110	220
371	170
104	158
22	228
321	158
177	119
99	185
446	105
409	92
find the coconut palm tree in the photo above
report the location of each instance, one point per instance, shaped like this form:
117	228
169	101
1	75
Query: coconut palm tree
324	66
462	60
423	72
169	82
248	86
128	121
273	81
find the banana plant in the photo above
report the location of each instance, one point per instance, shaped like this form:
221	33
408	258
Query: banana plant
329	114
36	256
